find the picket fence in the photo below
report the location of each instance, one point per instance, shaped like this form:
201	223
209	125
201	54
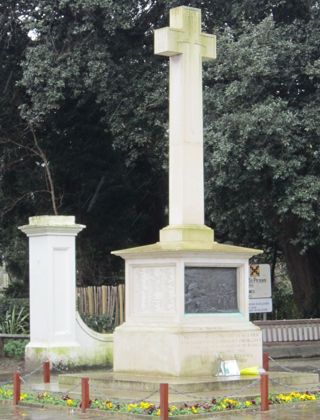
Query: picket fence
102	300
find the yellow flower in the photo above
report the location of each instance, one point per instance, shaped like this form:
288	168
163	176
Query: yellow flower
307	397
173	408
248	403
109	404
194	410
23	396
158	412
145	405
131	406
230	401
69	402
295	394
284	398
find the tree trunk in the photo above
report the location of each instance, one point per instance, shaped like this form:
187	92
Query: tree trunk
304	273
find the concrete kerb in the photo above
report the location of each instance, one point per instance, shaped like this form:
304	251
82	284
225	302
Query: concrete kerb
128	416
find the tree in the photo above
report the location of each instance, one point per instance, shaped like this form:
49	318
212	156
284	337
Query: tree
15	188
86	77
263	166
90	89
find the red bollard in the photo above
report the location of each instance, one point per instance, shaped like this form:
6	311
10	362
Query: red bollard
264	391
46	372
266	361
16	388
84	394
164	401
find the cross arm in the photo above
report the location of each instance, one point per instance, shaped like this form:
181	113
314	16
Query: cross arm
209	49
166	41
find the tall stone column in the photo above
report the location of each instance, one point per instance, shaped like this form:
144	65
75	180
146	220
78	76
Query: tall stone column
52	287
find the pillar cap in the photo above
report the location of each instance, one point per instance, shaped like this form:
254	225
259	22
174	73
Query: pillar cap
51	225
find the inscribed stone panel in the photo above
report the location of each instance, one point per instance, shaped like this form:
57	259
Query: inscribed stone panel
154	290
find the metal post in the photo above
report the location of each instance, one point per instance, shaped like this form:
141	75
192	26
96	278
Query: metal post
84	394
266	361
16	388
164	401
264	391
46	372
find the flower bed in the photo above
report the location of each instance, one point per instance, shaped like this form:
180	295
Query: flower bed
148	408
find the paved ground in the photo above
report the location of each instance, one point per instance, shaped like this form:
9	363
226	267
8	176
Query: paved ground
290	411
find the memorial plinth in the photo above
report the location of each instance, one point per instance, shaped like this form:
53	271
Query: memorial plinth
186	310
186	295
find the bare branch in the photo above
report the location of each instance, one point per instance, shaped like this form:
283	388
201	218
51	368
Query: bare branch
37	151
47	171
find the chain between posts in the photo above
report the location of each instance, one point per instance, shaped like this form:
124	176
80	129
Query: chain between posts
197	398
173	389
27	384
289	369
57	368
136	401
26	375
276	382
72	388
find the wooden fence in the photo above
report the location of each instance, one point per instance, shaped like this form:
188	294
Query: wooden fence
110	300
102	300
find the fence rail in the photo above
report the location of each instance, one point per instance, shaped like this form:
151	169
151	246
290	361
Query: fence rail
102	300
291	330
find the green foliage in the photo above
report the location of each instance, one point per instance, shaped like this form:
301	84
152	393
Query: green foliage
15	321
99	323
96	97
7	303
284	306
262	107
15	348
17	290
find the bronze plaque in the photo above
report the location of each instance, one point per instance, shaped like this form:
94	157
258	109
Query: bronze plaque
210	290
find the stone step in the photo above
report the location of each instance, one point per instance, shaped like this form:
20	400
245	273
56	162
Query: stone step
120	382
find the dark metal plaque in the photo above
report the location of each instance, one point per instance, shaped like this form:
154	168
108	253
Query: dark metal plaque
210	290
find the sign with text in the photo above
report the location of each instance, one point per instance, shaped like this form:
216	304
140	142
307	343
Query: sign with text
259	281
260	305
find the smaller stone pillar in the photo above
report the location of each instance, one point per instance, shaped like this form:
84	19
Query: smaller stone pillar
52	288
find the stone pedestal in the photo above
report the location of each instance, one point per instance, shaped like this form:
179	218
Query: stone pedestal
52	284
57	332
186	308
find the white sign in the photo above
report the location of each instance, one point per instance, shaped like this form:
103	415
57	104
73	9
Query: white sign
259	281
260	305
229	368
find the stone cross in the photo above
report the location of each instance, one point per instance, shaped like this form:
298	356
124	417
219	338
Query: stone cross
186	46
